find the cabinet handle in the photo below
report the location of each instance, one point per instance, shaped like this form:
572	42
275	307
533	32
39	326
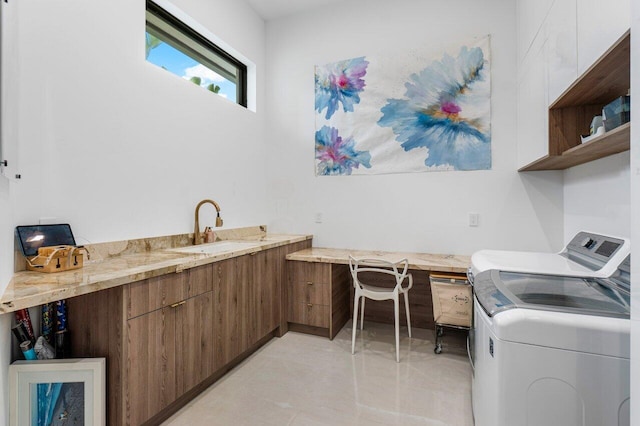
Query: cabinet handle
175	305
310	304
309	283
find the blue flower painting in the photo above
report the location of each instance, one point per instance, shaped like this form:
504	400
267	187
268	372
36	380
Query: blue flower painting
337	155
446	109
340	83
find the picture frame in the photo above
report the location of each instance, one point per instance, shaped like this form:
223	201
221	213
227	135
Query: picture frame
44	392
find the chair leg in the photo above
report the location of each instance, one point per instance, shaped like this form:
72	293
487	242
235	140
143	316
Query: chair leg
356	298
406	307
362	313
396	308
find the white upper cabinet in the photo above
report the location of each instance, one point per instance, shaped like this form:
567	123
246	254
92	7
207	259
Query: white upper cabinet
532	105
561	48
558	40
600	23
530	17
547	30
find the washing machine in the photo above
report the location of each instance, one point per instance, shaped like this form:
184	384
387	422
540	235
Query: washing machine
587	255
551	350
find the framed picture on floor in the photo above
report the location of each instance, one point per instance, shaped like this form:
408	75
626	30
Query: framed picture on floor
68	392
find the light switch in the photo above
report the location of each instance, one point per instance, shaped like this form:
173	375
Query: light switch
318	218
474	218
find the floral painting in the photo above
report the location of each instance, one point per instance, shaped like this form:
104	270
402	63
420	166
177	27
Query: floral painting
405	113
338	156
340	82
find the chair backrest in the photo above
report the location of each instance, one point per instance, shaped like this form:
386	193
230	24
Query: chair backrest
379	266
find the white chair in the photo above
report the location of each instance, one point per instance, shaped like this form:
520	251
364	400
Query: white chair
362	290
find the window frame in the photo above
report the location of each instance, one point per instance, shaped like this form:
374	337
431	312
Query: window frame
218	53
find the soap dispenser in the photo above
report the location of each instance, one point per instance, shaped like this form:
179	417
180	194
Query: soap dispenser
209	236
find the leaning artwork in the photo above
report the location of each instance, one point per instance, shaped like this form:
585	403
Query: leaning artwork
405	113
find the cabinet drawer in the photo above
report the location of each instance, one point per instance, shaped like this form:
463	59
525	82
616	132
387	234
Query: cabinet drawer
155	293
309	272
308	292
309	314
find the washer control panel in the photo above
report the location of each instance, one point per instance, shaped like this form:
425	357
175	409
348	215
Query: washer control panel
592	250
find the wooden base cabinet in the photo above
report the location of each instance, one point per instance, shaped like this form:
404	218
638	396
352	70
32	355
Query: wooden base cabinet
318	297
168	338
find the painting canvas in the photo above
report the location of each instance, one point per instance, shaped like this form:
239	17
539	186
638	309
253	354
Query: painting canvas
406	112
58	392
57	404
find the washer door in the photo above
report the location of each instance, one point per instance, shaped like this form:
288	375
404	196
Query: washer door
563	294
498	291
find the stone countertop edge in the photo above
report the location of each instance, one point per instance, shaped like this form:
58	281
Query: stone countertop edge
28	289
417	261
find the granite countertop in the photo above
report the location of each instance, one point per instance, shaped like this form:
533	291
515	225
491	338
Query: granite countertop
417	261
123	262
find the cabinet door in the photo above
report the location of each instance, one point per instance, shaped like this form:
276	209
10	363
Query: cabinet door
151	364
561	49
200	280
532	110
264	286
249	299
227	307
600	24
530	18
195	356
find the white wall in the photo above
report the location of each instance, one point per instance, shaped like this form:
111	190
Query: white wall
6	270
596	197
117	147
121	148
416	212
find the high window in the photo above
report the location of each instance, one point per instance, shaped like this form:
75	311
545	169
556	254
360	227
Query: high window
176	47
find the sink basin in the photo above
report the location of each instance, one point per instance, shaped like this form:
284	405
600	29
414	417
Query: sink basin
214	248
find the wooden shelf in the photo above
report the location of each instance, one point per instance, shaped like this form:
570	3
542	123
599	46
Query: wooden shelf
612	142
571	114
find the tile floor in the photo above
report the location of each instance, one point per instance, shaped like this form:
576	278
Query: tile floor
308	380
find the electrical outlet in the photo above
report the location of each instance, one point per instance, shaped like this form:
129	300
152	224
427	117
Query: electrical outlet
48	221
318	218
474	219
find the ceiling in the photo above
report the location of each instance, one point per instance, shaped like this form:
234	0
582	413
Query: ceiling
273	9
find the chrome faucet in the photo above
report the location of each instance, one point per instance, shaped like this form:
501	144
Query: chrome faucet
197	239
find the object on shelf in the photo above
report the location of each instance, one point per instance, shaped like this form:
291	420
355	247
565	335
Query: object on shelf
23	316
27	350
596	123
48	318
20	331
43	349
599	132
61	339
616	112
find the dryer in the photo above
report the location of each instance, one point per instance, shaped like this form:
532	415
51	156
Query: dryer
551	350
